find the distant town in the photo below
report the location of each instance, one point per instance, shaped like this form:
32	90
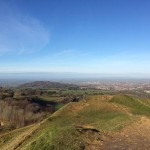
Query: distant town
116	85
120	86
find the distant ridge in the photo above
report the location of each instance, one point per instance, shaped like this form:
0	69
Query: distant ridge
47	84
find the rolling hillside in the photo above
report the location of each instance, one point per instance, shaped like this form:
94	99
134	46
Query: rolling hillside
47	84
94	123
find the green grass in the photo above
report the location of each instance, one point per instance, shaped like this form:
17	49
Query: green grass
85	92
104	119
59	131
50	98
66	138
146	102
58	106
5	138
137	106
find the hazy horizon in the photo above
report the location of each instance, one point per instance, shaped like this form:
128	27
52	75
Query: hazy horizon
71	76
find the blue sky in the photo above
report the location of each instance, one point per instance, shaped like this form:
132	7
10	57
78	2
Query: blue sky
82	36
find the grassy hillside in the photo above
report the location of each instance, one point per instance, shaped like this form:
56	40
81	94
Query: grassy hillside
139	107
79	125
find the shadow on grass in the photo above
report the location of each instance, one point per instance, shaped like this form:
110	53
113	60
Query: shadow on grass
45	103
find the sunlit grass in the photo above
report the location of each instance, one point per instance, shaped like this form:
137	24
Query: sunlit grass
137	106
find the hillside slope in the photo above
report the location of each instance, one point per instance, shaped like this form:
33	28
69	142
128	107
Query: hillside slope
47	84
95	123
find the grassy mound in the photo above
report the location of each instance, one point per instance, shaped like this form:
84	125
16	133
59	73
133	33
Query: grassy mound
139	107
60	131
76	124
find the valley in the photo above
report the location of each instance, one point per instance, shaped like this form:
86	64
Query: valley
82	120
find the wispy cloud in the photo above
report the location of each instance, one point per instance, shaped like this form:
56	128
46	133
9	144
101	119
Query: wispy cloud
64	52
21	34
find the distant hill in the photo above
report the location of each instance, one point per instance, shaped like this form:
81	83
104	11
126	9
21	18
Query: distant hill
47	84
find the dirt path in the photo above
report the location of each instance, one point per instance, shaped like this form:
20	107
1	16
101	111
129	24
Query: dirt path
133	137
16	130
18	140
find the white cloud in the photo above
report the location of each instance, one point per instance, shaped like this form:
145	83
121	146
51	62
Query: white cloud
21	34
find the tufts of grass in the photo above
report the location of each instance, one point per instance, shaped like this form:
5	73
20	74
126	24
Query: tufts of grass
6	138
104	120
66	138
137	106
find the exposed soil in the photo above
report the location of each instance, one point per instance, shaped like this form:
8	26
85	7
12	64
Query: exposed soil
133	137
